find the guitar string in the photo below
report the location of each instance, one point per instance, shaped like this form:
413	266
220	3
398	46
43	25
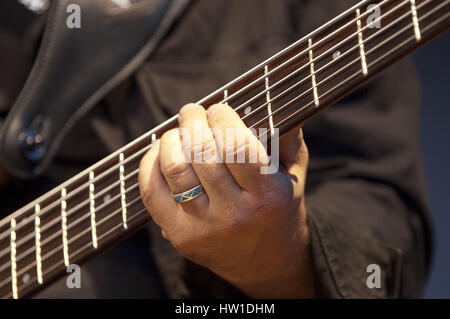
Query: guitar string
314	46
135	215
31	236
316	58
137	170
114	167
75	209
50	253
355	74
333	61
80	250
73	224
53	205
283	107
424	30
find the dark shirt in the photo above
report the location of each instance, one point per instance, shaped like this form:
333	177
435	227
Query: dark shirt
365	192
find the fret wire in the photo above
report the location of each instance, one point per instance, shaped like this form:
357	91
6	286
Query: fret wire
283	80
55	266
69	213
356	73
37	231
174	118
73	224
52	252
299	54
347	52
385	27
82	187
371	64
381	43
138	140
225	96
313	74
268	101
424	30
13	260
415	20
64	226
92	209
361	44
123	198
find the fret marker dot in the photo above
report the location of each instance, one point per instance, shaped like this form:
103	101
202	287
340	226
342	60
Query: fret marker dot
336	54
26	278
247	110
107	198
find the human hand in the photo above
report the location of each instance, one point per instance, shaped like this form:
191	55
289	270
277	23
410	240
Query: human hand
249	228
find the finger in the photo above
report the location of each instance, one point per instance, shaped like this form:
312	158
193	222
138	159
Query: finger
199	144
294	152
155	192
178	172
238	144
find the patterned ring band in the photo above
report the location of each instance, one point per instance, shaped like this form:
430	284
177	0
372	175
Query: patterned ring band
189	194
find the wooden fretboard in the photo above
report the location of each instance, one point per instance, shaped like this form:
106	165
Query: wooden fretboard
102	204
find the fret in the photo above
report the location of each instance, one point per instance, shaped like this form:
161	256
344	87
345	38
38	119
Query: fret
37	232
268	101
64	226
31	240
14	289
225	96
123	198
92	209
415	20
361	43
313	73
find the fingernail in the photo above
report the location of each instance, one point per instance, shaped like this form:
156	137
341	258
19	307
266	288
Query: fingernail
189	107
214	109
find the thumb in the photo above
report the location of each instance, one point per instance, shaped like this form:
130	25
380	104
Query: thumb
293	151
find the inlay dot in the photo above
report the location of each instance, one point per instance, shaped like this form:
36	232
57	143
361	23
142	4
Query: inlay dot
107	198
336	54
26	278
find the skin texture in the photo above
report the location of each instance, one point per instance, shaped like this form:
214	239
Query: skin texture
249	228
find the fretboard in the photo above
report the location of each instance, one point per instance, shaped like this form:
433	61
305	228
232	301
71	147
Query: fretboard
102	205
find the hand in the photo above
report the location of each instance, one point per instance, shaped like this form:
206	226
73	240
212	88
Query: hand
249	228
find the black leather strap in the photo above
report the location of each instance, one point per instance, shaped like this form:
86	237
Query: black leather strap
74	69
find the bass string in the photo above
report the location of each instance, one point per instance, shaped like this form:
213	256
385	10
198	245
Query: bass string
322	95
286	105
318	71
53	251
350	77
79	251
115	167
316	58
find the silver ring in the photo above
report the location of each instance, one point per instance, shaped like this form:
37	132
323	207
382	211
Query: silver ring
189	194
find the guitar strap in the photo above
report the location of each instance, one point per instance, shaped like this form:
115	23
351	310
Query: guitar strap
80	59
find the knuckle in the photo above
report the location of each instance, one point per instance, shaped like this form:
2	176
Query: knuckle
205	149
268	197
174	170
147	194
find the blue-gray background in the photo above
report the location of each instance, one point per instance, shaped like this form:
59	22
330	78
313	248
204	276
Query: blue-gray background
433	66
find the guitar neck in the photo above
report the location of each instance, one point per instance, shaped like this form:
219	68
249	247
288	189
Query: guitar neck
102	204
